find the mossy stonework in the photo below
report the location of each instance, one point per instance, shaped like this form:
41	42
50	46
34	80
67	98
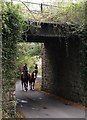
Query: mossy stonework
64	67
61	69
63	59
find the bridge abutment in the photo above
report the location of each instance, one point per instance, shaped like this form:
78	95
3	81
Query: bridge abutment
61	69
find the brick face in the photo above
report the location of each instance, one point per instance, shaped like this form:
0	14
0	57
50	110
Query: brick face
61	69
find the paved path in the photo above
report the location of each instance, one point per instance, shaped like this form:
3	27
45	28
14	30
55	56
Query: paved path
35	104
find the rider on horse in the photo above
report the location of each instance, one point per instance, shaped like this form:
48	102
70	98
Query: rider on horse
24	75
24	67
33	77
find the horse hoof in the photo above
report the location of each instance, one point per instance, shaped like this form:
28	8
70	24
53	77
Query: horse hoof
30	88
26	89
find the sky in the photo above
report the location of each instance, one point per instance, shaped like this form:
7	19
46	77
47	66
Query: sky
38	7
34	1
42	1
39	1
33	6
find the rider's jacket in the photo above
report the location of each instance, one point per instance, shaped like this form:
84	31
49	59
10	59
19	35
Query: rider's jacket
24	68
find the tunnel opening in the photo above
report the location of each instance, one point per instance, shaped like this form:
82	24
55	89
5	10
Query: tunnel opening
30	53
61	71
61	66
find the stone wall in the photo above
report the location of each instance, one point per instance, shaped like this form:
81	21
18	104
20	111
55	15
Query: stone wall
61	64
61	69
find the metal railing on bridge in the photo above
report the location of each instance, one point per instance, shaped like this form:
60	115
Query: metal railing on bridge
39	6
41	9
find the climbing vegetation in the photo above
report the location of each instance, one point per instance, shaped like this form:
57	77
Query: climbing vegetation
12	28
71	12
68	12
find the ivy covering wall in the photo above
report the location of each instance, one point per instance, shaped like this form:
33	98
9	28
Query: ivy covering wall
12	28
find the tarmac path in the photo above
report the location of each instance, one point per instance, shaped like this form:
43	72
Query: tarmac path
36	104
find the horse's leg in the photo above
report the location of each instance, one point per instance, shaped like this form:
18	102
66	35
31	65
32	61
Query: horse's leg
22	84
33	85
27	84
36	75
30	85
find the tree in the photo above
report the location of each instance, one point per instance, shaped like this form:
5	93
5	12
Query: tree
29	53
68	12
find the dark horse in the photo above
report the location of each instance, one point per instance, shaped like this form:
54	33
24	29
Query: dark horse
24	79
33	77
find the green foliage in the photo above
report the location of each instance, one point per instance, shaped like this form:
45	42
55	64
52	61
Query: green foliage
68	12
29	53
73	12
12	28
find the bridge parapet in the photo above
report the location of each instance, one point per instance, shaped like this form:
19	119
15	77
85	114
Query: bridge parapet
49	29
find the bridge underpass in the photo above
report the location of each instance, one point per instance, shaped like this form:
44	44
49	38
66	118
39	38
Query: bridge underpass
60	74
60	58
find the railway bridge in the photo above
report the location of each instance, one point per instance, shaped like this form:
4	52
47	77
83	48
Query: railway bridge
61	71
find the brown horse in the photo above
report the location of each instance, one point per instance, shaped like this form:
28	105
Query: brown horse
24	79
33	77
36	71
